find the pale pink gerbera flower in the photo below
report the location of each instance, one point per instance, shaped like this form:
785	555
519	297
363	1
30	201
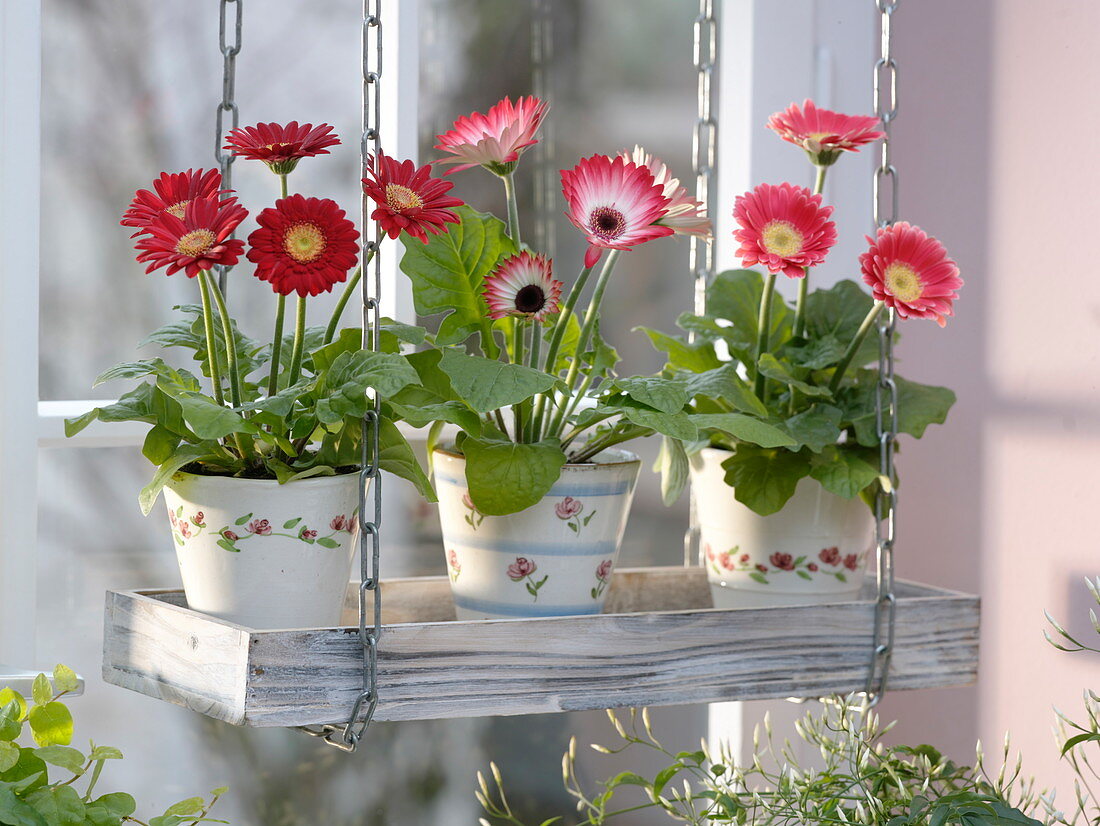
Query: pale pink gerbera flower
824	134
909	270
783	227
685	215
494	139
522	285
615	203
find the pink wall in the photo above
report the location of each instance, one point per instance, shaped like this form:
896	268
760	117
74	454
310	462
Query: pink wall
997	148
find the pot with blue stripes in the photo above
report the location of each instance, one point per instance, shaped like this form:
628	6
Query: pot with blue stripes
553	559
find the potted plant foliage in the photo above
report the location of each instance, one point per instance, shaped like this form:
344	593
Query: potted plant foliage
534	491
258	452
788	419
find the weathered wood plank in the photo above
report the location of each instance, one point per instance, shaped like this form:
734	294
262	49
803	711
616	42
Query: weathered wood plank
663	645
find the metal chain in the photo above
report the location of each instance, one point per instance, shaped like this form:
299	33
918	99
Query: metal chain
886	391
228	104
346	737
542	53
704	149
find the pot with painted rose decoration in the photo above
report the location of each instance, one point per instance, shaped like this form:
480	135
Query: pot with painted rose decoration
553	559
813	550
265	555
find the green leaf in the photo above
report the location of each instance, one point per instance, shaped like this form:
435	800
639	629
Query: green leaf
672	463
105	753
7	695
448	271
744	428
133	406
210	420
724	383
343	392
184	456
190	806
817	427
837	313
51	724
764	479
843	471
505	477
325	542
816	353
919	405
67	758
676	425
420	408
697	358
241	520
159	444
1077	740
10	715
9	755
773	368
65	679
29	773
397	457
665	395
170	377
758	577
41	690
14	812
487	385
118	803
735	296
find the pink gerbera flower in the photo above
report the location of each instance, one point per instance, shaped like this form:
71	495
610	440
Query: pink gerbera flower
409	199
685	215
824	134
197	241
783	227
494	139
615	203
172	193
522	285
909	270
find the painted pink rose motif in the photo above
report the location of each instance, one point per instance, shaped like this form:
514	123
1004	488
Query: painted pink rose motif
521	568
198	520
709	551
812	566
744	559
338	523
568	507
185	529
784	562
603	570
230	535
851	562
453	565
474	517
307	535
726	561
259	526
172	518
830	556
762	568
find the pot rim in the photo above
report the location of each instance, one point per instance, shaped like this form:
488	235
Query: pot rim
634	460
218	479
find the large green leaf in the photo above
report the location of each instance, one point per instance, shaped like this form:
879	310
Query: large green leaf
744	428
343	392
60	805
817	427
673	466
724	383
696	357
396	456
184	456
844	471
735	296
210	420
487	385
447	273
676	425
51	724
919	405
666	395
764	479
14	812
838	313
505	477
133	406
773	368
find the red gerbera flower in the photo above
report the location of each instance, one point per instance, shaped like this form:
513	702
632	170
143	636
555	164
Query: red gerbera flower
824	134
173	192
909	270
303	245
783	227
281	147
197	241
494	139
409	199
615	203
522	285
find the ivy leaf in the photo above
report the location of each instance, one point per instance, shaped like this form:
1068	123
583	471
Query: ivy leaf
744	428
51	724
10	715
118	803
773	368
505	477
764	479
9	755
487	385
817	427
41	690
698	357
67	758
15	812
8	695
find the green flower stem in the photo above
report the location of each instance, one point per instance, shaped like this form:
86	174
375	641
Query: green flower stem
211	346
763	328
243	444
556	336
280	314
513	209
804	282
590	316
533	355
613	438
345	297
857	340
299	342
519	331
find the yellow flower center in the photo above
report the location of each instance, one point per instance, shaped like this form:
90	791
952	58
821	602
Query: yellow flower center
400	198
304	242
195	243
903	283
781	238
178	209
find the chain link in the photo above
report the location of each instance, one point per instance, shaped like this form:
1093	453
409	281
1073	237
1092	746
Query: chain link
886	391
346	737
228	102
704	150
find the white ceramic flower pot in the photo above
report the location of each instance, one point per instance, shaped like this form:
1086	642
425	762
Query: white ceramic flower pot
813	550
553	559
265	555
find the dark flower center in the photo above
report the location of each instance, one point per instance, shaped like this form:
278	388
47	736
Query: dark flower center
530	299
606	222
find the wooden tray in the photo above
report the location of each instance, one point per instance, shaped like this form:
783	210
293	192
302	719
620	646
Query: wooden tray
660	643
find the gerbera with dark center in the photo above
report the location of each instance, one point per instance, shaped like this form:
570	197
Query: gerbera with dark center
303	245
279	146
824	134
494	139
197	241
409	199
615	203
522	285
909	270
172	192
783	227
685	215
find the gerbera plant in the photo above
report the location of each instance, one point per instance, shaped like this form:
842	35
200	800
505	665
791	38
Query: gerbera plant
796	396
516	360
289	408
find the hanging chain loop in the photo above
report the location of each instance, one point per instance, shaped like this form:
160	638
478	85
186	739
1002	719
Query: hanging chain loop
886	390
228	102
704	163
347	736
